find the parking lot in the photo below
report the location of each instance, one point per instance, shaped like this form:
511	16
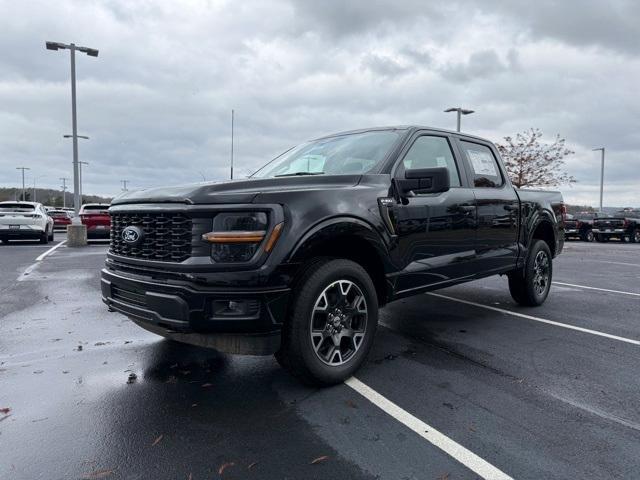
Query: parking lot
460	384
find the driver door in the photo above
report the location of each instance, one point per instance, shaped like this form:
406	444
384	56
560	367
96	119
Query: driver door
436	231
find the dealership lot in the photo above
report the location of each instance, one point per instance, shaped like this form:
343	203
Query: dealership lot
550	392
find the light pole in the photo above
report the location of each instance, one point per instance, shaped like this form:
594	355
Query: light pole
81	163
124	185
34	186
232	114
24	194
461	111
601	149
64	191
84	137
92	52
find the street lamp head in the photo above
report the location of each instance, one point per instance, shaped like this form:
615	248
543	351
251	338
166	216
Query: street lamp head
451	110
465	111
55	45
92	52
597	149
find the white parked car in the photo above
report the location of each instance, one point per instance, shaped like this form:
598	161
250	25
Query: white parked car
25	220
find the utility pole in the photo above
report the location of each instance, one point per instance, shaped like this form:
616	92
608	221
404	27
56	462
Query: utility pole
601	149
24	193
460	111
232	144
92	52
64	191
124	185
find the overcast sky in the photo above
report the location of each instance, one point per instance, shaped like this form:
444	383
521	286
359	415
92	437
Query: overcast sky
156	102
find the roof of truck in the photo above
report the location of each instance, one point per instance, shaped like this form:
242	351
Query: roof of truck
408	128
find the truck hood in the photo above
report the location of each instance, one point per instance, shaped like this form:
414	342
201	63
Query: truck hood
235	191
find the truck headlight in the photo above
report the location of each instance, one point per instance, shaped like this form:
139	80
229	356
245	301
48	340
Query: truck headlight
236	236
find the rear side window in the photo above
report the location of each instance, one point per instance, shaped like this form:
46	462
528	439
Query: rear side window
432	152
485	169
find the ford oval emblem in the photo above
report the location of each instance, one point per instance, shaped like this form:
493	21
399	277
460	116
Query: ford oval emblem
131	235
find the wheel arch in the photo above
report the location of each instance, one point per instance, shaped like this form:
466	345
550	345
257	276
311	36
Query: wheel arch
350	238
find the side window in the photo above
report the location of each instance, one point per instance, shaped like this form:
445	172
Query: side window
431	152
485	169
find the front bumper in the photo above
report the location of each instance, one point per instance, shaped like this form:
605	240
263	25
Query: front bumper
185	311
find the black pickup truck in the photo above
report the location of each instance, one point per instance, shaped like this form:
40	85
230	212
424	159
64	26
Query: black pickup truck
624	225
580	226
297	259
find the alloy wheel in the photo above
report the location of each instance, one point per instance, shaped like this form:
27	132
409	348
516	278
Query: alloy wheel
338	322
541	272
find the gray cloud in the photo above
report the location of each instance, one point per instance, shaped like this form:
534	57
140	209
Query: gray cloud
156	102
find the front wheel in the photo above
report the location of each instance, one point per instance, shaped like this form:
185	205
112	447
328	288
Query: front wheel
331	324
635	236
530	285
588	236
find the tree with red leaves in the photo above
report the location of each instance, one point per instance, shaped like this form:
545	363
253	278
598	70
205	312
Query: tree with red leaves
532	163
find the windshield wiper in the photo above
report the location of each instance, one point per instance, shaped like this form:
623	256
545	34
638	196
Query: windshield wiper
299	173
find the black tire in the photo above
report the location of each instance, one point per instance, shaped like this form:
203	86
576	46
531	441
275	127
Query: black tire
588	236
530	286
601	238
44	238
299	353
635	236
51	234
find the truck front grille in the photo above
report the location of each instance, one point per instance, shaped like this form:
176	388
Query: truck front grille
166	236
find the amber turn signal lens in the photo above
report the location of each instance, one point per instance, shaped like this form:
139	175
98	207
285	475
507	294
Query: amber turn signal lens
234	237
273	238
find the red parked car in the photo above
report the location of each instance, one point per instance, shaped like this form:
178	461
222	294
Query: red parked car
97	219
61	218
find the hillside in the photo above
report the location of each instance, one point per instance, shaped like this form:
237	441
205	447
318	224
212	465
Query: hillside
48	196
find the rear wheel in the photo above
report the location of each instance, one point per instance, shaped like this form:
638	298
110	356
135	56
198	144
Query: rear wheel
635	236
44	237
51	235
588	236
331	324
530	285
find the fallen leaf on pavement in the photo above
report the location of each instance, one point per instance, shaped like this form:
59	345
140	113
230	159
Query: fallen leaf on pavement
157	441
319	459
351	404
5	410
97	474
224	466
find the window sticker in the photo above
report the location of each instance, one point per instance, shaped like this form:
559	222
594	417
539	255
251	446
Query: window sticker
482	163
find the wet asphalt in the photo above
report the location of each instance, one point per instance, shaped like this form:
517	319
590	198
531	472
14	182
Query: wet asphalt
535	400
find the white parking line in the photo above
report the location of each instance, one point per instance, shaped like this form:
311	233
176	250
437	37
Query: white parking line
600	289
51	250
469	459
541	320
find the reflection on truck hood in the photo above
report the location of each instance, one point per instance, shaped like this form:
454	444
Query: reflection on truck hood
235	191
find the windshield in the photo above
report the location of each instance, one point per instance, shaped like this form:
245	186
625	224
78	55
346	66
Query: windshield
16	207
349	154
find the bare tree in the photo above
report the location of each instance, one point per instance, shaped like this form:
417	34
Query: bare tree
532	163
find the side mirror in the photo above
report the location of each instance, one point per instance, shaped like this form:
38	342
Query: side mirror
424	180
